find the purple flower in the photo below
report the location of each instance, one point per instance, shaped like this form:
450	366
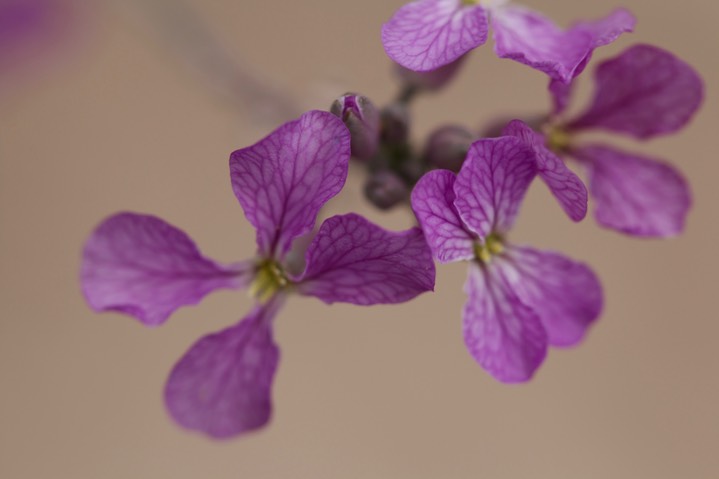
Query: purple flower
427	34
142	266
644	92
520	300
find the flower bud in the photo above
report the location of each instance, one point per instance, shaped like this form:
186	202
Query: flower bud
362	120
447	147
385	189
395	124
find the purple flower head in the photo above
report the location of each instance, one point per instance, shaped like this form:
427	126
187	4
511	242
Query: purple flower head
644	92
428	34
142	266
519	300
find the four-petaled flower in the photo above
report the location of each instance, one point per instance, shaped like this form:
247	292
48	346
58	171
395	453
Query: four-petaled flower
142	266
520	300
428	34
644	92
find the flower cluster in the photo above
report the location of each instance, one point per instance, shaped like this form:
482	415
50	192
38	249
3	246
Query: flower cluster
464	188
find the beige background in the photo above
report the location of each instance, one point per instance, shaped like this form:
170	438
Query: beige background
120	119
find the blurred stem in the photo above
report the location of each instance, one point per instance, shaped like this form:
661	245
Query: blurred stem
407	93
190	39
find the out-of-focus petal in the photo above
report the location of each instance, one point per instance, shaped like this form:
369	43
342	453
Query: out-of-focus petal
605	30
283	180
644	92
534	40
354	261
503	335
561	95
565	294
433	203
427	34
634	194
32	29
492	183
564	184
222	385
142	266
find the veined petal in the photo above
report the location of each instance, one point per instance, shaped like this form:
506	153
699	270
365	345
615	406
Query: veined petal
283	181
354	261
222	385
141	265
634	194
644	92
564	184
492	183
433	203
565	294
503	335
427	34
530	38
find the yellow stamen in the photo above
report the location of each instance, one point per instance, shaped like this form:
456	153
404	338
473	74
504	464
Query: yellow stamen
269	279
492	246
558	139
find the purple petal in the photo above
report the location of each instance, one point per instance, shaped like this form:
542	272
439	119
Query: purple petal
561	95
564	184
354	261
32	28
565	294
427	34
534	40
222	385
145	267
643	92
530	38
503	335
636	195
283	181
492	183
433	203
604	31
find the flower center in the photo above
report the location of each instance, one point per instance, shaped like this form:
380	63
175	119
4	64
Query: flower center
492	246
269	279
558	139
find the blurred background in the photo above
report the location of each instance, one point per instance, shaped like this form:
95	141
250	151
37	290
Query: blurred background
136	105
